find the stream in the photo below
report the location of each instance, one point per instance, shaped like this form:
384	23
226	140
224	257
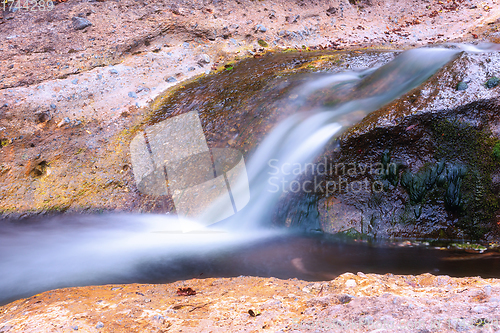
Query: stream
39	254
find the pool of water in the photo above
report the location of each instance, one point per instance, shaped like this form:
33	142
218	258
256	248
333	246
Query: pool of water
43	254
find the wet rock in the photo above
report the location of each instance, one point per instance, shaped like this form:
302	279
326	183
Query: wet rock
440	146
171	79
350	283
377	300
178	10
80	23
39	169
480	309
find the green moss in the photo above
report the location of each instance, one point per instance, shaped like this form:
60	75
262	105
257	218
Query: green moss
390	170
352	234
469	246
461	181
419	184
496	151
453	180
467	186
262	43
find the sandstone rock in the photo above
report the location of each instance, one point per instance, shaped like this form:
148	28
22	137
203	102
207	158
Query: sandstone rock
391	302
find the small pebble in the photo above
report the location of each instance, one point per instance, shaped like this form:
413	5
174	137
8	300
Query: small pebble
64	122
487	290
75	81
52	106
99	325
462	86
480	309
260	28
171	79
113	71
350	283
204	59
492	83
80	23
132	94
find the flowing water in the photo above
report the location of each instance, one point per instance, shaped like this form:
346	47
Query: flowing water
301	137
38	255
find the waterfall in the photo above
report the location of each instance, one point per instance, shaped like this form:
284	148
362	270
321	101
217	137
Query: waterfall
299	139
82	250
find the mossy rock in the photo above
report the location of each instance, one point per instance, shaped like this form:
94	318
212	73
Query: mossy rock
262	43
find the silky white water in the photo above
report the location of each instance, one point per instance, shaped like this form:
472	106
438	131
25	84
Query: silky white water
301	138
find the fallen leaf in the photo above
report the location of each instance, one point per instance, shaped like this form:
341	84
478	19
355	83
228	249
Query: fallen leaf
253	313
186	291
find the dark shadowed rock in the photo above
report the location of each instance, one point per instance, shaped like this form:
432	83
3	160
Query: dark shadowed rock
428	159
